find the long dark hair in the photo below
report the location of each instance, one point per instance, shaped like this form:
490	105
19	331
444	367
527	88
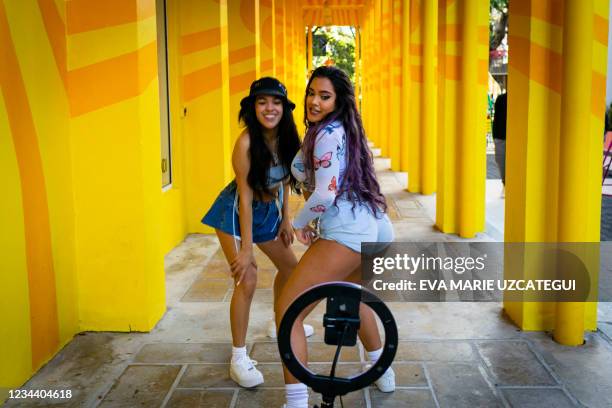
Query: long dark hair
359	182
261	157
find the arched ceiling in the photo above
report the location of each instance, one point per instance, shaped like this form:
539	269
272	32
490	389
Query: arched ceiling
332	12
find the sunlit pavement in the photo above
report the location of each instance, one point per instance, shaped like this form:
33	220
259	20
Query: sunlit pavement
450	355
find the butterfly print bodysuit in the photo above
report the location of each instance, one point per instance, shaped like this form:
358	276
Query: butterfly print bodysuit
329	164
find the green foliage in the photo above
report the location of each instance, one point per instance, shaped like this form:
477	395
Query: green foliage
498	22
499	5
338	44
609	118
319	43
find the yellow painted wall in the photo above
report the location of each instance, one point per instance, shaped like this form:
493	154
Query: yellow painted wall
116	155
174	225
38	304
15	334
83	247
50	112
242	56
206	138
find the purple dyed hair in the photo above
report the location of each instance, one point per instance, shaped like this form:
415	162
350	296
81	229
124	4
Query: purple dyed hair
359	178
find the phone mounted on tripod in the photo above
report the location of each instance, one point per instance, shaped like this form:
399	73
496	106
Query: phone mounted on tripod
341	322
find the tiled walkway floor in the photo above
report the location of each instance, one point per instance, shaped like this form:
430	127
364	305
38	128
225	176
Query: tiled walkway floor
451	354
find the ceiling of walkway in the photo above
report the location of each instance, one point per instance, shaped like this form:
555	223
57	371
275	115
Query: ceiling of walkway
332	12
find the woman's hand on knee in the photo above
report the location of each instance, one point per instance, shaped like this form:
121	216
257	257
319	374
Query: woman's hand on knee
241	263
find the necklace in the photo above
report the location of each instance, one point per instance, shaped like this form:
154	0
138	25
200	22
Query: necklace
272	148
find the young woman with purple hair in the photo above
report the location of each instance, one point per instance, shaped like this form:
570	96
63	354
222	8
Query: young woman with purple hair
336	166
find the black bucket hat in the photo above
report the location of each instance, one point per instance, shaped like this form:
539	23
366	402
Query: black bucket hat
267	86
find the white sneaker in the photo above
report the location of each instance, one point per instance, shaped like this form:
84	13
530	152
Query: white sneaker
386	382
308	329
245	374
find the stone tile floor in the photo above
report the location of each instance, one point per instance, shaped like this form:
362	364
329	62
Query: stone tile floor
451	354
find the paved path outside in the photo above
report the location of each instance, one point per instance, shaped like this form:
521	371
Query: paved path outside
451	354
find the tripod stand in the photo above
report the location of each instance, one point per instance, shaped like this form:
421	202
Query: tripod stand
341	322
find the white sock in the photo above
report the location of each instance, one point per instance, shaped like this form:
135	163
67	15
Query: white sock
375	355
297	395
238	353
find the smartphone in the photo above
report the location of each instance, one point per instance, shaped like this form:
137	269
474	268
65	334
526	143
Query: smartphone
341	311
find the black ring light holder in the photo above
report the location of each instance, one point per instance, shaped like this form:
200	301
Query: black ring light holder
341	327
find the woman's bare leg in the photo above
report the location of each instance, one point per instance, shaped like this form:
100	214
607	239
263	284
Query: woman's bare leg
240	306
283	258
315	267
368	331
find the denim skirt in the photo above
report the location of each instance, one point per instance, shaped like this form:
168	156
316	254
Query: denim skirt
223	215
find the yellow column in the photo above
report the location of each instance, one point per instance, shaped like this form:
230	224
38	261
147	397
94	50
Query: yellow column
532	171
405	93
462	113
300	52
395	147
429	125
555	117
366	70
385	53
298	60
279	39
266	35
309	49
273	39
448	82
416	87
289	46
580	192
258	44
357	69
368	77
472	105
375	126
297	47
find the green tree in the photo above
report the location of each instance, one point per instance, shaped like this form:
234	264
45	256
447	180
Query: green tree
498	22
338	44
